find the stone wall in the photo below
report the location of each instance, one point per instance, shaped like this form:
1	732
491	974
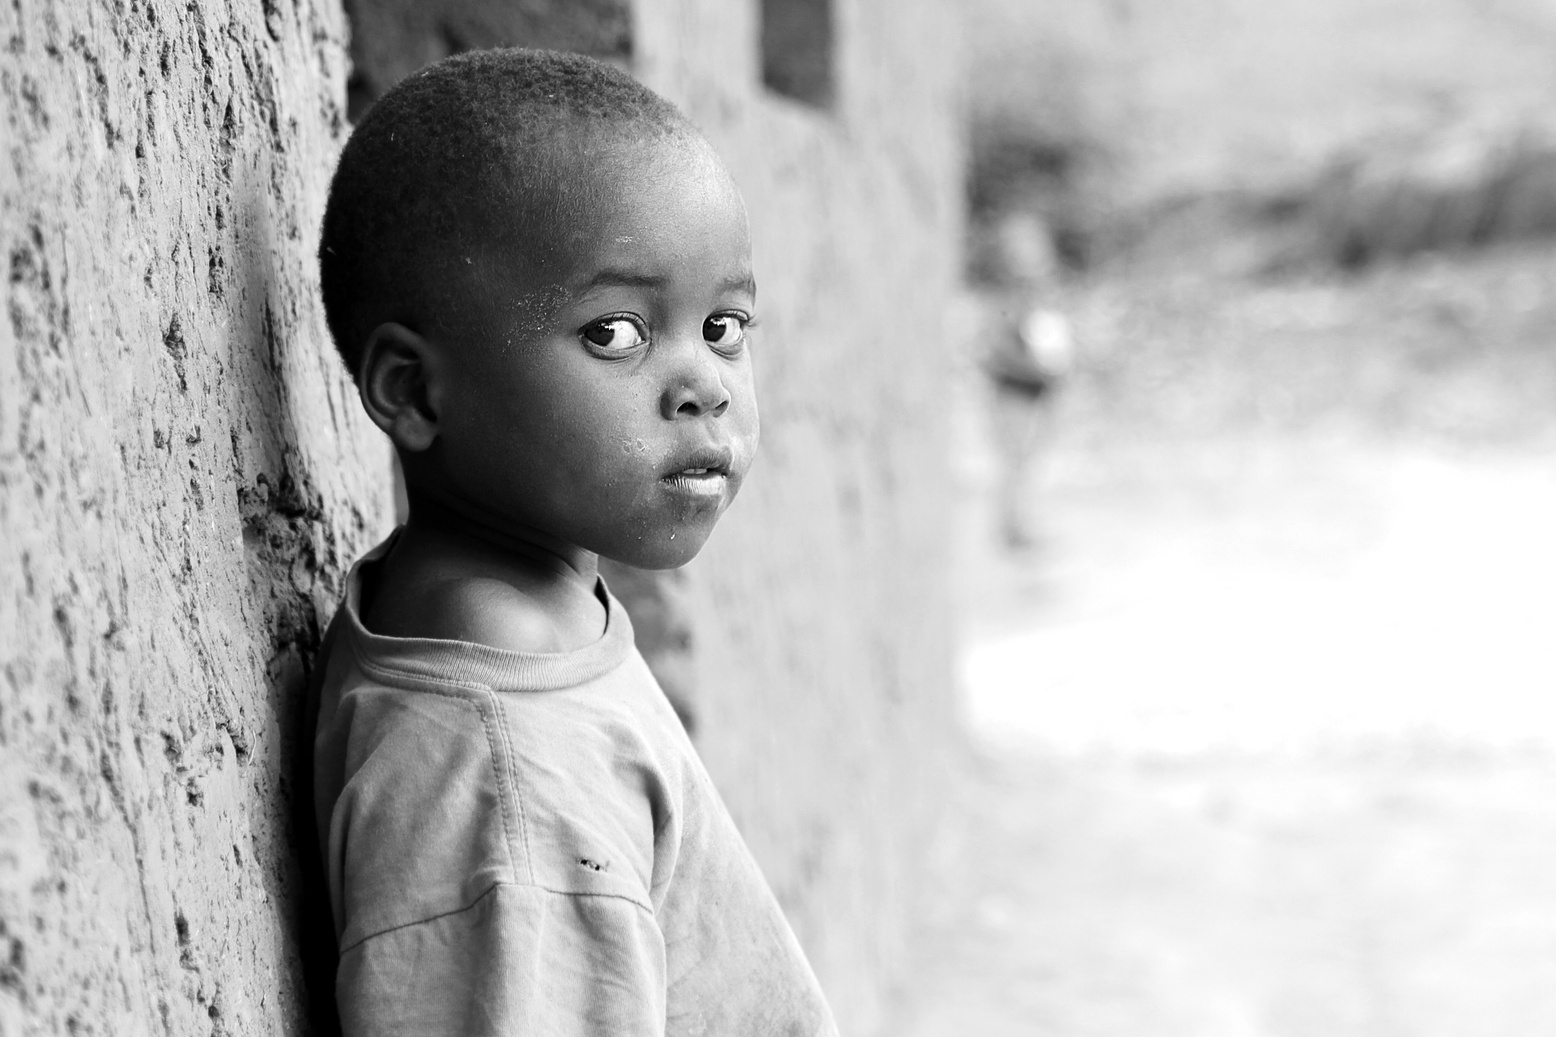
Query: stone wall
183	476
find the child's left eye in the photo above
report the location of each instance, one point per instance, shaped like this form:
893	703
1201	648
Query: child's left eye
724	330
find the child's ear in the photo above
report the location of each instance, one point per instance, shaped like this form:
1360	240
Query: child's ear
398	383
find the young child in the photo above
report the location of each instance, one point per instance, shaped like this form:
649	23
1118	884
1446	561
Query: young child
539	275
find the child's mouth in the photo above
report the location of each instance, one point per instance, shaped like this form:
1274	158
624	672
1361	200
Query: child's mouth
697	482
703	475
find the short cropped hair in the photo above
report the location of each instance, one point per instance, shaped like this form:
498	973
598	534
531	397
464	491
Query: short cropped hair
450	150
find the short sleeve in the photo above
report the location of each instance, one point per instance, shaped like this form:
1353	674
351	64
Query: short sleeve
521	960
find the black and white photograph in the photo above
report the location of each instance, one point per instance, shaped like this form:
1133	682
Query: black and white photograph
778	518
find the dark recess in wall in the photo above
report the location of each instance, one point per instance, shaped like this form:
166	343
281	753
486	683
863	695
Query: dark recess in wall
390	39
797	58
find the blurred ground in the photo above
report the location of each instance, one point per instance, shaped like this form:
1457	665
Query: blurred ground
1266	722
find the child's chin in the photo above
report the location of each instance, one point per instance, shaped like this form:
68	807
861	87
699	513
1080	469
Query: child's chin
665	554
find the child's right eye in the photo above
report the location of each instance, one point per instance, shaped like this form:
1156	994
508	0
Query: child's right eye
615	334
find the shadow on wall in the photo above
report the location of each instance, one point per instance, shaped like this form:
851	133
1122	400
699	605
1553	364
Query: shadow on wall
295	558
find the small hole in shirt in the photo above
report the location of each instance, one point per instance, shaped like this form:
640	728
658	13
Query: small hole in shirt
594	865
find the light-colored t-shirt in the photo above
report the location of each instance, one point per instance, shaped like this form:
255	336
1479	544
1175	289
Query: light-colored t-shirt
525	843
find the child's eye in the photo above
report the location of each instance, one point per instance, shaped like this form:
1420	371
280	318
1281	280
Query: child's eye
725	330
616	334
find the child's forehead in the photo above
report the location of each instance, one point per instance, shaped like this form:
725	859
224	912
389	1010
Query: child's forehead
631	171
655	201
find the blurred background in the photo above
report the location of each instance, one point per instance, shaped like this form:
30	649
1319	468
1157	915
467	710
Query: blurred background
1258	614
1142	617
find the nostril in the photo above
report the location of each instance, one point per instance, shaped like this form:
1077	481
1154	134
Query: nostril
698	394
694	405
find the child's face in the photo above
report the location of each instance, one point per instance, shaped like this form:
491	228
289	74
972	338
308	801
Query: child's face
625	421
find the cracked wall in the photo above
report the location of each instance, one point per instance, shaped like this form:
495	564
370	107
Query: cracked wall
183	477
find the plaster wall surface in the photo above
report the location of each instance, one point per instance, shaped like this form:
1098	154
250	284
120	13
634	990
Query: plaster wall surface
183	477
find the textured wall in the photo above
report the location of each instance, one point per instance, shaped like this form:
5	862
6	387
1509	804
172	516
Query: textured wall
820	637
183	474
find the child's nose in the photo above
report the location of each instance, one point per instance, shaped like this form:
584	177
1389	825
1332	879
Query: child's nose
695	388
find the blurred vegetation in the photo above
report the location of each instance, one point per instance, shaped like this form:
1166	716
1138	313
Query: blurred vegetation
1446	194
1329	134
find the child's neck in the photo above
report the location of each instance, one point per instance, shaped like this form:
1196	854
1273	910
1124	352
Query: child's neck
459	533
452	576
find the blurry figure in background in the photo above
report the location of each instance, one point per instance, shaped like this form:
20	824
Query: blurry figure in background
1032	350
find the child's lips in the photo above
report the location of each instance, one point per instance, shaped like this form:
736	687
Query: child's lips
703	462
703	473
698	482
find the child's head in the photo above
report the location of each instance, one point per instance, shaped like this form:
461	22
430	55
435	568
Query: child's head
539	274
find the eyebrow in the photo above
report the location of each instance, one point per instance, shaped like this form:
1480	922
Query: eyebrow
611	278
